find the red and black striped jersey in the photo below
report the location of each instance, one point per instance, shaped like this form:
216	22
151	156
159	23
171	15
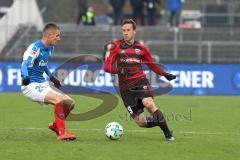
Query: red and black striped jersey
126	61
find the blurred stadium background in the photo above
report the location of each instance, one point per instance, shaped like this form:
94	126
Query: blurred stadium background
215	38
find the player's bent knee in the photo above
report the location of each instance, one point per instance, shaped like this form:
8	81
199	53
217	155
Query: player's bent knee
58	101
148	104
69	102
72	104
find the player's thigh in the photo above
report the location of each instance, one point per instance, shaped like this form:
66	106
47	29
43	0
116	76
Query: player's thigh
149	104
67	100
54	96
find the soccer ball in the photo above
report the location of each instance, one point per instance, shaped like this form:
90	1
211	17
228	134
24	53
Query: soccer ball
113	130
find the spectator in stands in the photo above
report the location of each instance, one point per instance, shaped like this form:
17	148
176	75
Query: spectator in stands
117	6
88	17
152	7
82	9
174	8
137	7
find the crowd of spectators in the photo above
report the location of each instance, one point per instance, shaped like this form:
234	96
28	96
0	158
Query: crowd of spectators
144	12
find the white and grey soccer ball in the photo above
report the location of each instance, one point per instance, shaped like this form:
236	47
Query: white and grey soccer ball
113	130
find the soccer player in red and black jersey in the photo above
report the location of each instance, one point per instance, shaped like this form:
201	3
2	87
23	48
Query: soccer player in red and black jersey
124	57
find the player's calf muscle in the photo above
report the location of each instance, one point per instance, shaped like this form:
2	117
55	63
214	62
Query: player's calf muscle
141	120
141	123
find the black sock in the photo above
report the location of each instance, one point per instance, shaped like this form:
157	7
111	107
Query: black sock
151	123
159	120
155	120
165	129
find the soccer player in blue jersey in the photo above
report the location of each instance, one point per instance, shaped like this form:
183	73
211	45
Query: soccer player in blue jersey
37	88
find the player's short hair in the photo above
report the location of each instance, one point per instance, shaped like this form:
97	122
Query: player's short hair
49	26
130	21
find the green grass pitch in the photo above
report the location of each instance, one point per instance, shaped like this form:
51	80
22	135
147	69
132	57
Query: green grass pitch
205	127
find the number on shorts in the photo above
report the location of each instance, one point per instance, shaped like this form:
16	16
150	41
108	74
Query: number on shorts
39	88
130	110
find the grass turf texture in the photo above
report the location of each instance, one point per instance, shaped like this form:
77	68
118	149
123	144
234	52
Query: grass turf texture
205	128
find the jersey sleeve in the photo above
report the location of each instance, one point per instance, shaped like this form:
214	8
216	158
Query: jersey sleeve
148	60
24	67
111	59
47	71
46	68
31	54
28	58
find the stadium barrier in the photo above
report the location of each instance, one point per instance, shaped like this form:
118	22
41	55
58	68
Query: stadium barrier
192	79
22	12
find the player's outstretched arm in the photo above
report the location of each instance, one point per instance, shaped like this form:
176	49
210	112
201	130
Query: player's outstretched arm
28	59
154	67
55	81
111	66
47	71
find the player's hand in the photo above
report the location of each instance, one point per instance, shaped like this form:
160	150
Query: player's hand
169	76
55	81
26	81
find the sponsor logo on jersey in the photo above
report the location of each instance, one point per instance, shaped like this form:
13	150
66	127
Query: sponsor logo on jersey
42	63
33	52
138	51
130	60
145	87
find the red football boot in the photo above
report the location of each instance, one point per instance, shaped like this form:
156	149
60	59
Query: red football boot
66	136
53	127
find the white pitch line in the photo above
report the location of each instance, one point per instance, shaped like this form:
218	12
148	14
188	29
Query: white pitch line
134	131
209	133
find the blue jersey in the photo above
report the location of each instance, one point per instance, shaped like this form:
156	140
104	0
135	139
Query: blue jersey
35	61
174	5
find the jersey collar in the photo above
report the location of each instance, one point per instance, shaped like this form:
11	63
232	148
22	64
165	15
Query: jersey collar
42	45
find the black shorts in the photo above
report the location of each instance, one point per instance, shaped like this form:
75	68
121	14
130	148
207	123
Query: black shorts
132	97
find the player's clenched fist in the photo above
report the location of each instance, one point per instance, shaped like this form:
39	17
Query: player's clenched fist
26	81
55	81
169	76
